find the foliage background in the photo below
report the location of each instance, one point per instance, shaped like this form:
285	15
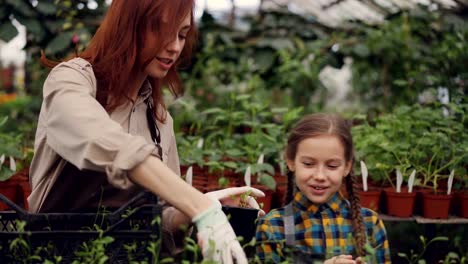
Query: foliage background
266	76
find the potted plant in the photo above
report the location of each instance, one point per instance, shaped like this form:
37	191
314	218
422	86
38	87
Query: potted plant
261	151
276	132
463	204
373	143
369	197
439	150
400	200
191	153
10	154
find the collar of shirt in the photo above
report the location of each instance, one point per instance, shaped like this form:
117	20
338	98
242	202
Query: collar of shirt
335	203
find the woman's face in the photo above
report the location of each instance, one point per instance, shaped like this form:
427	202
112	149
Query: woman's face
165	59
319	167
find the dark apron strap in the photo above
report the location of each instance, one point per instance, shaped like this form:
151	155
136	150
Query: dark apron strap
299	257
289	227
153	126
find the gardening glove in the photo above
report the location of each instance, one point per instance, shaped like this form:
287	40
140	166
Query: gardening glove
217	238
236	195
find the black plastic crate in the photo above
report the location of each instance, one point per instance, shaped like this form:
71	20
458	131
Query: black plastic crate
64	234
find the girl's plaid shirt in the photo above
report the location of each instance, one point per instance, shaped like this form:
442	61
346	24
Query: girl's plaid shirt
320	230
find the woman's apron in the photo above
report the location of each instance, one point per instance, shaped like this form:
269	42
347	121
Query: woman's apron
79	190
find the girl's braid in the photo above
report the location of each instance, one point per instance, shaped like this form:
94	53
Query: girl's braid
356	217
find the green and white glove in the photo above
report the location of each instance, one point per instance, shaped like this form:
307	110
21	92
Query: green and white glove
217	238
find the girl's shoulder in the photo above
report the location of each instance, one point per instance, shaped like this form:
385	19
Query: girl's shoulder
274	215
369	216
368	212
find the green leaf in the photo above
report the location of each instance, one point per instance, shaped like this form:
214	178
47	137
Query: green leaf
8	31
439	239
400	82
3	12
3	121
230	164
5	173
214	110
21	7
33	26
268	181
361	50
265	59
59	43
46	8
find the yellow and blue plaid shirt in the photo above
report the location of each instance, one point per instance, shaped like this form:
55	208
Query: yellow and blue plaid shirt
324	230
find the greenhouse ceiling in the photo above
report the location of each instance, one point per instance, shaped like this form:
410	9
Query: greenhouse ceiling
335	13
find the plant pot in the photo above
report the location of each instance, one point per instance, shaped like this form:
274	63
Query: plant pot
211	187
199	184
25	188
234	178
243	221
419	201
213	181
279	196
280	193
400	204
436	205
370	199
462	198
9	189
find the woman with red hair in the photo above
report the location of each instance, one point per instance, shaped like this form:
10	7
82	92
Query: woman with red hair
104	133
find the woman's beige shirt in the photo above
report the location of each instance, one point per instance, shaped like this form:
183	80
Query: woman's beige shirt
73	126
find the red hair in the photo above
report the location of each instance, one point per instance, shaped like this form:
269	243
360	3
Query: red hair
115	51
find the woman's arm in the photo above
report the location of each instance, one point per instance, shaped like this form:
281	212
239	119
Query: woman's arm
155	176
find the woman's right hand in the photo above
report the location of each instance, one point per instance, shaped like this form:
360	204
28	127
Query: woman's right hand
217	238
215	234
235	195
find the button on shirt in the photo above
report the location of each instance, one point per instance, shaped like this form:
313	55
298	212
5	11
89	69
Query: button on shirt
319	230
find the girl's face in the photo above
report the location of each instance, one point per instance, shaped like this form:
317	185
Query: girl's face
165	59
319	167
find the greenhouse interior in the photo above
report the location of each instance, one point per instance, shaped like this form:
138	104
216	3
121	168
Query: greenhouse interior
148	131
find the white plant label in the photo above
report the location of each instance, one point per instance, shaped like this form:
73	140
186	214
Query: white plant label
411	181
2	159
247	176
12	164
189	175
399	181
450	182
260	159
200	143
364	174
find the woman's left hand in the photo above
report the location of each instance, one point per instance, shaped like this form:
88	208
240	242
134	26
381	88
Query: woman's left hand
234	196
341	259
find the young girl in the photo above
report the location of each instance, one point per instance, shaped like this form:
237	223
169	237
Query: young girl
317	221
104	133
